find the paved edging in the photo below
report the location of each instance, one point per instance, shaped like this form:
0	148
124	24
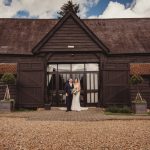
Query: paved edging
61	115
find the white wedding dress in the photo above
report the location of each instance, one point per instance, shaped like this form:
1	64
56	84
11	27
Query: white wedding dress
76	100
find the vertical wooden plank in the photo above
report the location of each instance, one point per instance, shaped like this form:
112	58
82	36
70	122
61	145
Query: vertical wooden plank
115	84
31	84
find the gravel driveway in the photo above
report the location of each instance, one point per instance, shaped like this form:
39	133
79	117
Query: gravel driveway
22	133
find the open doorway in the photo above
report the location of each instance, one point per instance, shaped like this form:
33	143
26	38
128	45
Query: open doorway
87	73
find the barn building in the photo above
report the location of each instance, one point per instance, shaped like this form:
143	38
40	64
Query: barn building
102	53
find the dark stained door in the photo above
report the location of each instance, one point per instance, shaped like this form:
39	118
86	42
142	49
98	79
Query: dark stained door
115	84
31	84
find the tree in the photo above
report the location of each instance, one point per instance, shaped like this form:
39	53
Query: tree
69	6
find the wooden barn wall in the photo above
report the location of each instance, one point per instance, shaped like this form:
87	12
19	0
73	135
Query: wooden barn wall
70	33
128	58
145	86
30	90
74	57
20	58
110	66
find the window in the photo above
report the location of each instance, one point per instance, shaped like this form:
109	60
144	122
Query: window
91	67
64	67
77	67
52	68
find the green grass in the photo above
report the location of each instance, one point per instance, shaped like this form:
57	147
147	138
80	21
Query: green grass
121	114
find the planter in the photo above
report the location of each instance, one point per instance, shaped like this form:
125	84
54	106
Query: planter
139	108
12	90
7	106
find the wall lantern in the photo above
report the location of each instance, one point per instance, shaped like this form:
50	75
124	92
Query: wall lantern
70	46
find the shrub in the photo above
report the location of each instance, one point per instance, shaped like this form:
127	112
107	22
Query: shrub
126	109
116	109
8	78
113	109
136	79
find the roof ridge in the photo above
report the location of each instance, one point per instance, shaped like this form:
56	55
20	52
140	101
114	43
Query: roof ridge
116	19
29	19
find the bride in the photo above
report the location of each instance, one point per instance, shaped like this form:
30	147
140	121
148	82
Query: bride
76	97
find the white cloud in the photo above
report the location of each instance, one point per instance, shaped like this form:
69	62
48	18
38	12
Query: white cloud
43	9
138	9
49	8
85	5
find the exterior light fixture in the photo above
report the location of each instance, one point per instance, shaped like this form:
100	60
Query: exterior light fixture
70	46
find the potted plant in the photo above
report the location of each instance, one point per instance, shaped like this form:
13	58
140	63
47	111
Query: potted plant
7	104
139	105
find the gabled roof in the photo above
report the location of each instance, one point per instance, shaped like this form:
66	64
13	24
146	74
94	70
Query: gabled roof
59	25
20	36
128	35
121	36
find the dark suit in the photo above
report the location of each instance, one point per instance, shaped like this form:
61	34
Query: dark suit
68	90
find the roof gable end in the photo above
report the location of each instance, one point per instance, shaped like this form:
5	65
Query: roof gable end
70	33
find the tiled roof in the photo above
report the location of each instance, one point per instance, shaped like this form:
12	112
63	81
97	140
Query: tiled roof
8	68
20	36
128	35
141	69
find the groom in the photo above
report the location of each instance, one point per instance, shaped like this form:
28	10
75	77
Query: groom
68	89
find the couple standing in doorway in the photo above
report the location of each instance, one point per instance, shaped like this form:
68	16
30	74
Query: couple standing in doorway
73	95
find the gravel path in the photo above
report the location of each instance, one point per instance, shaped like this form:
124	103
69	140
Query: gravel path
18	133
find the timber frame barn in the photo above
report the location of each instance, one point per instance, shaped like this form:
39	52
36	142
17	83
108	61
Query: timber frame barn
100	52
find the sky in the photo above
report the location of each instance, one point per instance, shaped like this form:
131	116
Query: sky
45	9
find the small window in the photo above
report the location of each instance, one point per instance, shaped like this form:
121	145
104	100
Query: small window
51	68
92	67
64	67
77	67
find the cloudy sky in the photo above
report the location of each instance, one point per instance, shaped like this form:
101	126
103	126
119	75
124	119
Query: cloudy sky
89	8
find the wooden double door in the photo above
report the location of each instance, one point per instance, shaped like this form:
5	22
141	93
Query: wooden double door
88	75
